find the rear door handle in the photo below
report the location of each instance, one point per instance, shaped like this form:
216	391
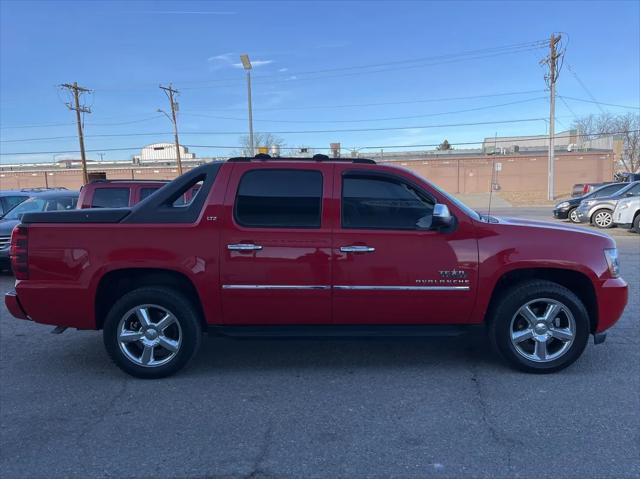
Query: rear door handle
244	247
357	249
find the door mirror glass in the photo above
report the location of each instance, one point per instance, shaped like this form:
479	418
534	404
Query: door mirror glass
441	217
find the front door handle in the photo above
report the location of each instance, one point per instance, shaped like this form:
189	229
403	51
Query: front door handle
357	249
244	247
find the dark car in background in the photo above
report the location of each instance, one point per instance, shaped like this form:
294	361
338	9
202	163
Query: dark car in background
599	211
567	208
9	199
55	200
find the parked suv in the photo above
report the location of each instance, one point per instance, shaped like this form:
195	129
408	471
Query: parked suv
288	247
599	211
117	193
567	208
43	201
627	214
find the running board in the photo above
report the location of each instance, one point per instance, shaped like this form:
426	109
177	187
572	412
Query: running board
347	331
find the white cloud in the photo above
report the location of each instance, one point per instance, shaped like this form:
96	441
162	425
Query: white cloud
281	70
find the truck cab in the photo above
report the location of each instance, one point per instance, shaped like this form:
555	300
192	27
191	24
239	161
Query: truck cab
299	247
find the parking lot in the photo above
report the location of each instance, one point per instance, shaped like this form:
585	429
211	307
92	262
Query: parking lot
437	407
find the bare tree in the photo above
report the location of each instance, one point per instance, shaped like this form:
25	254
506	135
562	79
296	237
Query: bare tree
625	126
259	139
445	145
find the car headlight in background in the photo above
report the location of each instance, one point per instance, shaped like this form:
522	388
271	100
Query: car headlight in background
564	204
611	255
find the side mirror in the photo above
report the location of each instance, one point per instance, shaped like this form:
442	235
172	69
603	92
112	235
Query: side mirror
441	217
630	194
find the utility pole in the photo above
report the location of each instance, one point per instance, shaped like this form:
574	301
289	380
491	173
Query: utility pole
170	92
77	91
553	61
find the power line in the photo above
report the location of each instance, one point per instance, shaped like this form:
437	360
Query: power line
362	120
453	143
403	102
294	76
495	122
599	102
584	87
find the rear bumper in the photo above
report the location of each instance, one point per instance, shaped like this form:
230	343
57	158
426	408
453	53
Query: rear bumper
612	299
12	303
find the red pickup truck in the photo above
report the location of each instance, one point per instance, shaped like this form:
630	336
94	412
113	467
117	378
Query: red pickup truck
275	247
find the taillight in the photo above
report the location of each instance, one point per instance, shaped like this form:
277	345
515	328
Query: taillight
19	252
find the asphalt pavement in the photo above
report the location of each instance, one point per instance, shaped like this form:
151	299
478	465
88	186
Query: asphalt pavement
429	408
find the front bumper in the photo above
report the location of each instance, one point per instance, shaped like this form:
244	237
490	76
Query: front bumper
561	213
613	295
12	303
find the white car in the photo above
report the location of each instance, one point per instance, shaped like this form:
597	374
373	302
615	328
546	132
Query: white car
627	214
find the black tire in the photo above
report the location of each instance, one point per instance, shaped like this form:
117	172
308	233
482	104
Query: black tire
636	224
574	218
603	211
187	331
506	309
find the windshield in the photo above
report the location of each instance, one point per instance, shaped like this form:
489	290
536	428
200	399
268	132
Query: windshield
33	205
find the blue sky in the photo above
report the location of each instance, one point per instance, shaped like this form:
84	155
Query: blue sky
303	79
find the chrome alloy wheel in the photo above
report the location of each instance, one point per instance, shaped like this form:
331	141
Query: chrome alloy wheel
603	219
149	335
573	216
542	330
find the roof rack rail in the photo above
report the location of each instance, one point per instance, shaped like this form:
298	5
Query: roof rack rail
124	180
317	157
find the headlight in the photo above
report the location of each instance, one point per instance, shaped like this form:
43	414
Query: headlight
564	204
611	255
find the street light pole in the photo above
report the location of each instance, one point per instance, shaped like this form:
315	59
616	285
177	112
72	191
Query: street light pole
246	63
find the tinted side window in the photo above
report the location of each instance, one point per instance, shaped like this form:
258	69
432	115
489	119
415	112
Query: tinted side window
280	199
144	192
110	198
634	190
607	191
382	203
67	203
9	202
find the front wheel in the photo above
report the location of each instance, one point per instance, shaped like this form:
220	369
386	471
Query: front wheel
152	332
603	218
539	326
573	215
636	224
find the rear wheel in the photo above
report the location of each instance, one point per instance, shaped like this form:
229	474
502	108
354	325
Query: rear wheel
152	332
573	215
539	326
636	224
603	218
